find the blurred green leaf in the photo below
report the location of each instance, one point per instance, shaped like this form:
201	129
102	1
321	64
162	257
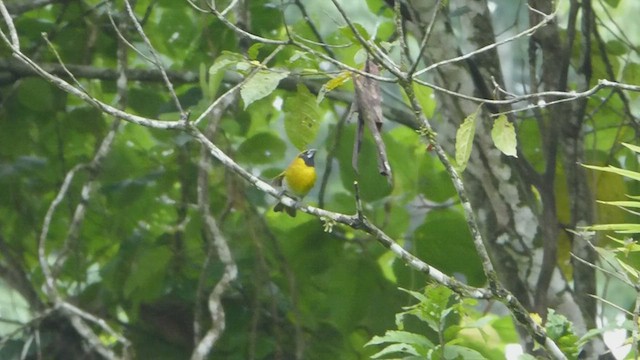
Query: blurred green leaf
301	118
262	84
261	148
145	274
254	50
612	169
373	186
616	47
36	94
619	228
443	240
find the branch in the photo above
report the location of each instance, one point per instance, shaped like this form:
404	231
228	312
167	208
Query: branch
528	32
203	206
19	8
12	70
217	241
352	221
497	289
156	59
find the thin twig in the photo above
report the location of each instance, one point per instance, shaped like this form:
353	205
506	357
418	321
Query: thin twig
156	58
15	40
372	49
425	38
528	32
238	86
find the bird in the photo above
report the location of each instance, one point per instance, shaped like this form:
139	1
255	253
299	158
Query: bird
297	179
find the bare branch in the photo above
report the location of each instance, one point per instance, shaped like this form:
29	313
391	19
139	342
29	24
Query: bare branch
216	240
15	41
372	49
528	32
496	288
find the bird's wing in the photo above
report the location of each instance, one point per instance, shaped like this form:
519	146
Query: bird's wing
277	181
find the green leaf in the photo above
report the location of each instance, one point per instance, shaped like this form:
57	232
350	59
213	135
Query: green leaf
348	33
442	234
335	82
616	47
504	136
612	169
405	337
418	295
461	352
302	117
628	268
620	228
626	246
464	140
631	204
632	147
254	50
35	94
263	83
526	357
216	71
396	348
631	73
261	148
425	97
612	3
361	56
147	272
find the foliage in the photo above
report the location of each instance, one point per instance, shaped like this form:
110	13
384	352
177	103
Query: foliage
455	328
619	259
138	139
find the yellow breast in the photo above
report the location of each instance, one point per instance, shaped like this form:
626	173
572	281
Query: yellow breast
299	178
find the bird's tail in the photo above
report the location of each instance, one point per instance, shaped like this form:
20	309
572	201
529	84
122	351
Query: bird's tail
289	210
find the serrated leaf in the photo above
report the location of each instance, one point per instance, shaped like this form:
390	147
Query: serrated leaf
301	117
262	84
504	136
464	140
